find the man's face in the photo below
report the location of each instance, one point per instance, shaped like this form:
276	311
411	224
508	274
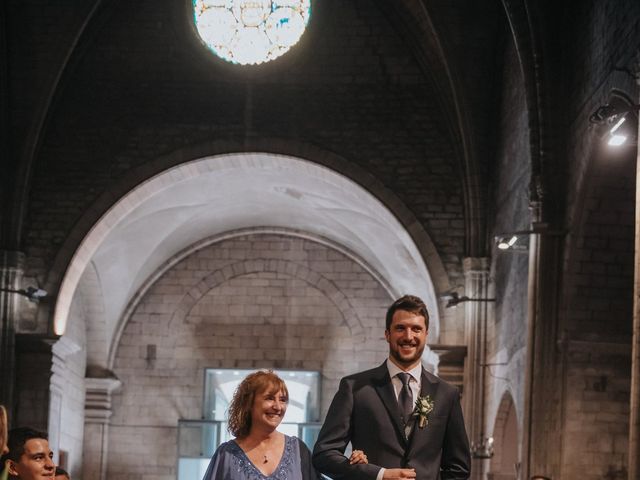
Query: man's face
407	336
36	463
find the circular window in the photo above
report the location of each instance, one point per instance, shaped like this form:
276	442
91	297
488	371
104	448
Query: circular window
249	32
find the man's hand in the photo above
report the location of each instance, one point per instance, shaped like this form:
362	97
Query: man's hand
394	473
357	456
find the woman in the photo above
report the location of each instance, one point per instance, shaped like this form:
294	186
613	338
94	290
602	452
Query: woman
3	440
258	451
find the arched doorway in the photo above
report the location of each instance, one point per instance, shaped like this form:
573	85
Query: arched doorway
145	232
505	463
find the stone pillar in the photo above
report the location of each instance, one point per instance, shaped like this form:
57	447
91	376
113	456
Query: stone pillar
544	393
476	275
11	269
60	351
634	417
96	430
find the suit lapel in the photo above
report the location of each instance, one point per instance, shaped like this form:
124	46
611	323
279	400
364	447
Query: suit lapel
428	386
384	387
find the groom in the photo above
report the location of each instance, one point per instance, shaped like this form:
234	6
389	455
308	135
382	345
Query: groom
374	410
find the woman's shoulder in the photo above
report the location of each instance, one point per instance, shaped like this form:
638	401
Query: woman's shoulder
229	446
293	440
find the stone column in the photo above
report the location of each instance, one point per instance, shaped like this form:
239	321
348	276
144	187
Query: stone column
60	351
634	417
544	393
96	430
11	269
476	275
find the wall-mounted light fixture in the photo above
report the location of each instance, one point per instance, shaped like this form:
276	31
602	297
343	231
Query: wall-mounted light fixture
453	299
32	293
621	130
482	449
518	241
511	241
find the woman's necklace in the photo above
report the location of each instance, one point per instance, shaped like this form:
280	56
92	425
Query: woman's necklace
264	454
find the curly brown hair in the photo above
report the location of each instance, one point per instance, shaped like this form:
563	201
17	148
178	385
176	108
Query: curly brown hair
242	401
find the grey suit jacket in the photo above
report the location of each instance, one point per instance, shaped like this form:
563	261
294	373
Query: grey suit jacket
365	412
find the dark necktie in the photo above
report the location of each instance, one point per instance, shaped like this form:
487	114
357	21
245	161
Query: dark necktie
405	398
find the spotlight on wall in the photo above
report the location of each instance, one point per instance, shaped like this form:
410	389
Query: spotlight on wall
616	117
510	242
453	299
33	294
518	241
617	137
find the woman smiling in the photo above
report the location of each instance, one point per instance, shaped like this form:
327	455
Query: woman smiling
259	451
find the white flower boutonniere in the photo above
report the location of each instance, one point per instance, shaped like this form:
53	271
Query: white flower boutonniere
424	406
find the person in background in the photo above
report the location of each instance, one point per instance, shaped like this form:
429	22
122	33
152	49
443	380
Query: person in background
61	474
3	441
258	450
29	456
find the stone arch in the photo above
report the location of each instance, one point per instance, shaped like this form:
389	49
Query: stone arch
98	222
505	461
292	269
246	267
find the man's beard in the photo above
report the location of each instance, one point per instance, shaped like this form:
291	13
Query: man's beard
403	360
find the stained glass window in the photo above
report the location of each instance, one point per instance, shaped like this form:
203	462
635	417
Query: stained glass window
251	31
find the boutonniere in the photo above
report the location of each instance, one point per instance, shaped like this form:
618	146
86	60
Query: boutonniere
424	406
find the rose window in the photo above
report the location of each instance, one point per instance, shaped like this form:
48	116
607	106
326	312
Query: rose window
249	32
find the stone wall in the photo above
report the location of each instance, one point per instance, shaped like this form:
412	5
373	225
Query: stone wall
254	301
597	324
596	315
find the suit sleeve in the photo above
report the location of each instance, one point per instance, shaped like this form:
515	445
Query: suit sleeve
335	435
456	458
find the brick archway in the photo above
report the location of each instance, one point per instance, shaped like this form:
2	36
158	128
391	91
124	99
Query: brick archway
246	267
289	268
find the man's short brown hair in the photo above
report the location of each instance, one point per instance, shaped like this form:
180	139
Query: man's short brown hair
408	303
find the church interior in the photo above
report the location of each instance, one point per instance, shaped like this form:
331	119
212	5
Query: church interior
176	213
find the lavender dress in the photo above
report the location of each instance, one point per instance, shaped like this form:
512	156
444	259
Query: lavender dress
229	462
